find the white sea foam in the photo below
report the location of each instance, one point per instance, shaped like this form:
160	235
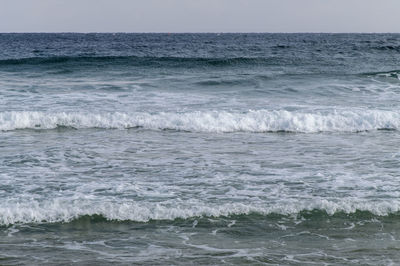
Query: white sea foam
61	210
211	121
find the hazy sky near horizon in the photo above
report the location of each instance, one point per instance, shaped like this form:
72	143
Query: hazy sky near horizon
199	16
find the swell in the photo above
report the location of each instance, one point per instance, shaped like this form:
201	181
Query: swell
139	61
255	121
395	48
67	210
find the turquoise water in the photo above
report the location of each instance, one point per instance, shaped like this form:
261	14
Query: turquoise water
199	149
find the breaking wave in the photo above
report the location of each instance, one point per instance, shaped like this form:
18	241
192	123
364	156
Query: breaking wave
386	74
63	210
209	121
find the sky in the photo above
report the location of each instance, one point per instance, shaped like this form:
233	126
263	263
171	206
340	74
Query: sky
199	16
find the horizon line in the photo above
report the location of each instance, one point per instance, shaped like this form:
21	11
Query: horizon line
188	32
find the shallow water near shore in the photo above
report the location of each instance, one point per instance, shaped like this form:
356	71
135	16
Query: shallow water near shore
199	149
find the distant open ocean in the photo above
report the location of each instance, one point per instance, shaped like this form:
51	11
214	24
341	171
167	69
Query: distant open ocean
199	149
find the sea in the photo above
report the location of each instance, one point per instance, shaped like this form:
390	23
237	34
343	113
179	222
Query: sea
199	149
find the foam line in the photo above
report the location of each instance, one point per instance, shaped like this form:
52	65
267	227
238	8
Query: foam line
209	121
63	210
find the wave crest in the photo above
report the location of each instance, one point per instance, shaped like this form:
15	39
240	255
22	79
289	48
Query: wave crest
62	210
209	121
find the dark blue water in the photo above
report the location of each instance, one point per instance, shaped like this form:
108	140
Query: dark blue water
199	148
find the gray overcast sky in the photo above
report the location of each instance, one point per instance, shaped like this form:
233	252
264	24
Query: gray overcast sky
199	15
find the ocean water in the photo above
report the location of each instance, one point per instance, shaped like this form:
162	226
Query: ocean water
181	149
